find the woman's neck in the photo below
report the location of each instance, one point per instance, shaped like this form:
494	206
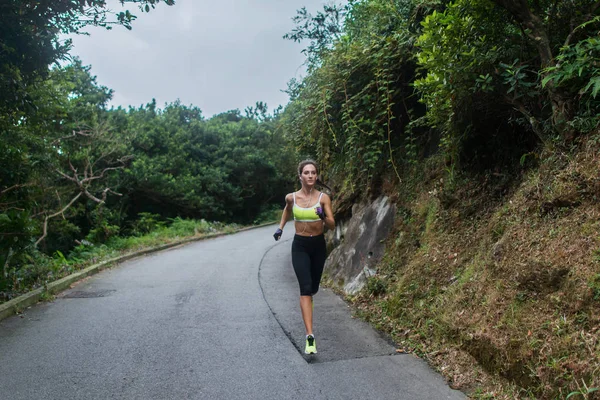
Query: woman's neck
307	191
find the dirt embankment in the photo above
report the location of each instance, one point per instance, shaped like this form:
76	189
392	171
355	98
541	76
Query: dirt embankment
495	279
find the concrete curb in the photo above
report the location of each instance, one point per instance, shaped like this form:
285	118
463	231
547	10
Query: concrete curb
17	304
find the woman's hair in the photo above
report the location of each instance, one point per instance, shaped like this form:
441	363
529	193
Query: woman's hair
305	163
314	163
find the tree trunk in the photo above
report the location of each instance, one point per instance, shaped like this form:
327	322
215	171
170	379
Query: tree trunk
561	104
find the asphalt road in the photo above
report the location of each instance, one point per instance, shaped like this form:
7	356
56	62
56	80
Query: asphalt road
216	319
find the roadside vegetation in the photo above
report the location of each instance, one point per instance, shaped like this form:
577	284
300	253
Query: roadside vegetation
480	120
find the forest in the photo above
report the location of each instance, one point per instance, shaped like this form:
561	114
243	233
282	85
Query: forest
478	118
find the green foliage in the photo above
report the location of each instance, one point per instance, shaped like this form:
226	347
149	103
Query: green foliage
16	234
102	232
350	112
146	223
459	51
62	235
515	77
269	213
182	227
470	57
578	72
31	42
322	30
376	286
583	390
224	169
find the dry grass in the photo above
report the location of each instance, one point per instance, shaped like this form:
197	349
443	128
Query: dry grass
500	294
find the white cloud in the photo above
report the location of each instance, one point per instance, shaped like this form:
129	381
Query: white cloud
215	55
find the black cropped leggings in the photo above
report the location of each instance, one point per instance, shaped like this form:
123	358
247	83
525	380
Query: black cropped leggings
308	258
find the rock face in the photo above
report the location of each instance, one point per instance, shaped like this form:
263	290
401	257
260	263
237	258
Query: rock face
359	244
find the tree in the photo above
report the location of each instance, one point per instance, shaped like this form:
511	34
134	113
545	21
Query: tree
537	19
88	156
258	112
30	40
53	161
226	168
322	30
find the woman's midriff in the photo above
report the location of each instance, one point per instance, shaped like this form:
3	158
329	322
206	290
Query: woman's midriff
309	228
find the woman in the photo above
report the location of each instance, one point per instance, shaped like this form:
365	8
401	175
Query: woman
312	212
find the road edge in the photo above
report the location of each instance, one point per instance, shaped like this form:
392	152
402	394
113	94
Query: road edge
18	304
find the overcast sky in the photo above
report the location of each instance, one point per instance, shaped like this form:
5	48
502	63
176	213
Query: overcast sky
216	55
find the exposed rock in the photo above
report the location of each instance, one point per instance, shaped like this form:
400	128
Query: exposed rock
359	244
498	250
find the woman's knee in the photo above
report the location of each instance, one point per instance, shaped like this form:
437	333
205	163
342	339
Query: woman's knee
306	290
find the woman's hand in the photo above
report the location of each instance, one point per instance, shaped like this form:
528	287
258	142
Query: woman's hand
277	234
327	212
320	213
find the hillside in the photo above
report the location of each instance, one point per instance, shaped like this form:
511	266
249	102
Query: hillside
478	119
495	278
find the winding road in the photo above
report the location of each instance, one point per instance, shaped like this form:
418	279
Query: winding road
216	319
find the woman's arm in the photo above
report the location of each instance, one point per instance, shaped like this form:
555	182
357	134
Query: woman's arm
287	211
329	221
285	215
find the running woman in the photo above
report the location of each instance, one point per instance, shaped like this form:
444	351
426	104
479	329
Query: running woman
312	213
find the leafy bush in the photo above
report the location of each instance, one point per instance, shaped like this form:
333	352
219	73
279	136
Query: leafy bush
146	223
62	235
269	214
16	240
102	233
376	286
578	72
188	227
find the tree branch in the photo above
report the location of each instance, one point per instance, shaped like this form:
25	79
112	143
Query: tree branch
92	197
93	178
66	176
8	257
15	187
45	228
74	134
95	138
109	190
587	17
535	125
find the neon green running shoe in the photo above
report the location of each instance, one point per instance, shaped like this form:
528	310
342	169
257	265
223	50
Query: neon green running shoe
311	345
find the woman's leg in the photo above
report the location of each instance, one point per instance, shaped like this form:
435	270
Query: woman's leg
307	313
302	268
318	258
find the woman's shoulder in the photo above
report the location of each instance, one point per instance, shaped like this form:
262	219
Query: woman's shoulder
323	195
289	197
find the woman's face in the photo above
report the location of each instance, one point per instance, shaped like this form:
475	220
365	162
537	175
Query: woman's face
309	174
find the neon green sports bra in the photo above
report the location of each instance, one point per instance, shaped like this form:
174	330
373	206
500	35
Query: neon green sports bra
309	214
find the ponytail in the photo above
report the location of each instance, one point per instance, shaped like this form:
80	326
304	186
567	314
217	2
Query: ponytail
320	183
